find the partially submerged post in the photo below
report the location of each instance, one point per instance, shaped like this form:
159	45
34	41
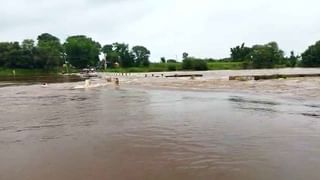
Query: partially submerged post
116	82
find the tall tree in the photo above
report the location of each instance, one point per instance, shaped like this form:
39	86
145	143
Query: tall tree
28	44
13	56
293	59
266	56
185	55
163	60
110	54
125	56
141	55
49	52
5	49
311	57
82	51
240	53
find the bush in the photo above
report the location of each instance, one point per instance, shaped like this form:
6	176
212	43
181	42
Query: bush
194	64
311	57
172	67
200	65
187	64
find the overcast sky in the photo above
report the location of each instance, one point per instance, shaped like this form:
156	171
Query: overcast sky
203	28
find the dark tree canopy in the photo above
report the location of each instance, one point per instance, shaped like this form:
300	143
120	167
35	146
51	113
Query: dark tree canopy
191	63
240	53
185	55
259	56
49	52
110	54
28	44
311	57
82	51
126	58
163	60
120	53
141	55
266	56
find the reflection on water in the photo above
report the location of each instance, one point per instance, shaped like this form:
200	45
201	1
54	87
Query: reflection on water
60	133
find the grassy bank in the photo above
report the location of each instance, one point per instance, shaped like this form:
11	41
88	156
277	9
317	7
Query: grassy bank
5	72
225	65
154	67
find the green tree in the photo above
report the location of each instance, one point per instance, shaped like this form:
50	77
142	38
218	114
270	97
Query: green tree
49	52
185	55
82	51
5	49
125	56
292	60
187	64
311	57
265	56
163	60
110	54
13	56
141	56
28	44
240	53
191	63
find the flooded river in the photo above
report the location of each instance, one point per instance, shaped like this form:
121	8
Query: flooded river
57	133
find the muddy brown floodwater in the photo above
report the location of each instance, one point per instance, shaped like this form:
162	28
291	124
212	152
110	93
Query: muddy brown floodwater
58	133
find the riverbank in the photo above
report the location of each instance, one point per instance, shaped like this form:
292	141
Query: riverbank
7	72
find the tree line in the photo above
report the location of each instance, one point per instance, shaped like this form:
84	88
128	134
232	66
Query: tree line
257	57
79	51
270	56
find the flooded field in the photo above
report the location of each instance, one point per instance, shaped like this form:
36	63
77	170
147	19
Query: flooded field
139	133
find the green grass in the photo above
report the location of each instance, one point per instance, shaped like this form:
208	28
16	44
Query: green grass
225	65
6	72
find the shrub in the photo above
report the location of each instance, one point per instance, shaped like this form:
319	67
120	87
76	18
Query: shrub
172	67
200	65
187	64
194	64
